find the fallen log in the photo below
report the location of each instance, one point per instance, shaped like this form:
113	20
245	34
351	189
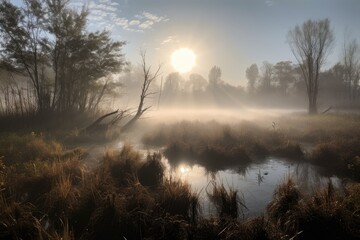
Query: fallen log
326	110
96	125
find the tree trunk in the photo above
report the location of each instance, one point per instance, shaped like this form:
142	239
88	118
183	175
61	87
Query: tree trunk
312	107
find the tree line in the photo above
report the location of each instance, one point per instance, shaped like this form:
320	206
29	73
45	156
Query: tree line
49	61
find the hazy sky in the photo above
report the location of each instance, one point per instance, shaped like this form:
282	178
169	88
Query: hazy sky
231	34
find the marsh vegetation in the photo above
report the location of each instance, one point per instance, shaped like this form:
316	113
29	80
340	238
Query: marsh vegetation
48	191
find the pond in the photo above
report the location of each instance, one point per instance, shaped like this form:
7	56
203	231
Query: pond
255	185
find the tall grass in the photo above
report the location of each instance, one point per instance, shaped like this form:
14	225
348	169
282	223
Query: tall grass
322	215
227	201
176	198
339	156
285	207
151	173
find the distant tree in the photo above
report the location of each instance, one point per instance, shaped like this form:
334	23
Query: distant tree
173	83
298	87
351	61
284	75
333	86
215	76
267	74
252	74
197	83
310	43
338	70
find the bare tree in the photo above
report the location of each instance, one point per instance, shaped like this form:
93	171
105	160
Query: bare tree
351	59
310	44
149	78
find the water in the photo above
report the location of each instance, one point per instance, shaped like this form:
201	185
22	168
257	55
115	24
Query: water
255	186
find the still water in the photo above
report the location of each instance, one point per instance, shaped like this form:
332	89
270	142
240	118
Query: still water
255	185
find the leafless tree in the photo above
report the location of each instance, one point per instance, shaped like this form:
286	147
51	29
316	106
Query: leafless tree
149	78
351	61
310	44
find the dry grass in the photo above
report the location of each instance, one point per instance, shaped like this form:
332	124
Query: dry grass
339	156
283	210
121	166
126	196
219	146
322	215
227	201
16	149
151	173
176	198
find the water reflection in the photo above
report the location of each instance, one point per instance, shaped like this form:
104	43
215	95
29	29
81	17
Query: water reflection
256	184
184	169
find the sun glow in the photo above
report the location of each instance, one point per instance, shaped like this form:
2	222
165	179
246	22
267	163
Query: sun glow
184	170
183	60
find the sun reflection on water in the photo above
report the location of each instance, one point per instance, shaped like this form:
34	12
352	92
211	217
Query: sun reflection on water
184	170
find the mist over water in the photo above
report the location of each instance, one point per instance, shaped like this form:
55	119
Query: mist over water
221	115
255	181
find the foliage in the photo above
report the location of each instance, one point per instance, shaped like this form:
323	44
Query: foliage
47	42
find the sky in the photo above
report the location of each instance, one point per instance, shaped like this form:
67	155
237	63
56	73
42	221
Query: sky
231	34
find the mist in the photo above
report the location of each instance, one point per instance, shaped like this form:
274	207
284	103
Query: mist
151	120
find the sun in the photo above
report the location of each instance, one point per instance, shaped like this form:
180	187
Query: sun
183	60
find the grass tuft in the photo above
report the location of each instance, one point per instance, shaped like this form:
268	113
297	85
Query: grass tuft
227	202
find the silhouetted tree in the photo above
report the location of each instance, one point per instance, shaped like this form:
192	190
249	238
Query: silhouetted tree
79	58
331	82
284	75
310	44
172	83
266	78
24	44
252	74
197	83
215	76
149	78
48	42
